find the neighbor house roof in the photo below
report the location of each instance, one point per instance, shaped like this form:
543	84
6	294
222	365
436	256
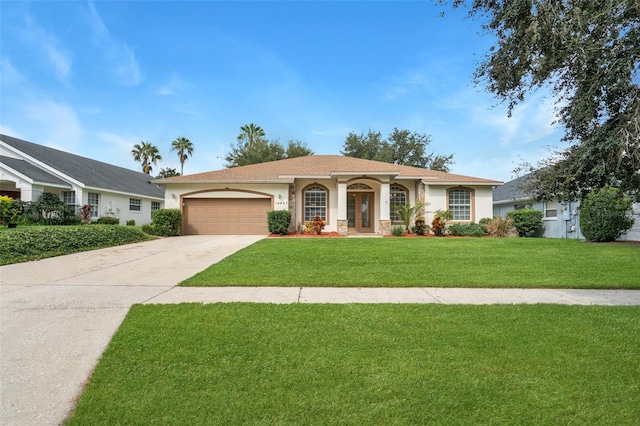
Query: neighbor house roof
90	173
511	191
322	167
32	172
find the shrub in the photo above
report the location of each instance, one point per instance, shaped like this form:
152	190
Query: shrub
397	231
147	229
278	221
499	227
317	225
108	220
10	209
36	243
467	230
166	222
420	227
85	213
526	221
438	226
407	212
131	222
605	215
50	210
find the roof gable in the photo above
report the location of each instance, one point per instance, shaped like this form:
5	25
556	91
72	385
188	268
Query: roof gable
91	173
32	172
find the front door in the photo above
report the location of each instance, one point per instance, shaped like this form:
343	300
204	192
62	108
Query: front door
360	211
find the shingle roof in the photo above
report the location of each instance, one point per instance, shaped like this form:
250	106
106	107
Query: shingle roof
91	173
511	190
321	166
32	172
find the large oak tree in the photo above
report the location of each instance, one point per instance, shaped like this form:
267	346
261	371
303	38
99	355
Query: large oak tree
587	52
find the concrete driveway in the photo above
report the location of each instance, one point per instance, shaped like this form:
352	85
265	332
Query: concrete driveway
58	315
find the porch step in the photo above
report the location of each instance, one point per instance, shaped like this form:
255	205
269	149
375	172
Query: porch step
364	236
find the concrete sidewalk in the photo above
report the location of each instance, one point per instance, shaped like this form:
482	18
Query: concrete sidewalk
58	315
462	296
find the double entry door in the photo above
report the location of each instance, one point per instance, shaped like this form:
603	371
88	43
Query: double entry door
360	212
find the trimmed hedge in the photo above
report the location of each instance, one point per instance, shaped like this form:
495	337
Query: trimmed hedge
278	221
526	221
31	243
467	230
166	222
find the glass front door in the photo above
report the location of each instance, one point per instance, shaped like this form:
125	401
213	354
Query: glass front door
360	211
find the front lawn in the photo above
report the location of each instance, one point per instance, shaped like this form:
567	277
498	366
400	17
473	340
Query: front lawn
300	364
427	262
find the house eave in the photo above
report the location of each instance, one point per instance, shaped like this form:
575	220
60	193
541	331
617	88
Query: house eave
221	182
465	183
513	200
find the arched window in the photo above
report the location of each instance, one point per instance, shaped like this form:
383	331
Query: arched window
357	186
315	203
397	198
460	204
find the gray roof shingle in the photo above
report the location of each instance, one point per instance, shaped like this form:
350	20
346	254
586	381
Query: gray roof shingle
511	190
32	172
91	173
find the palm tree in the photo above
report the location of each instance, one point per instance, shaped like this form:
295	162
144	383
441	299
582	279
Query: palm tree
146	154
251	133
184	147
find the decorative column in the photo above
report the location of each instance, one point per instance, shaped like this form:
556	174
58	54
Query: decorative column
385	210
293	226
342	223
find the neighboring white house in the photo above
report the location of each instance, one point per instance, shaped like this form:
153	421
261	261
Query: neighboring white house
27	170
561	219
351	195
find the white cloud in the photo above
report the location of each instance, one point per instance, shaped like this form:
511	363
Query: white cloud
10	75
121	58
6	130
173	86
49	45
57	124
531	121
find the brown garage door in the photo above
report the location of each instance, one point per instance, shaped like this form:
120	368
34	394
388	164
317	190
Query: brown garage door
216	216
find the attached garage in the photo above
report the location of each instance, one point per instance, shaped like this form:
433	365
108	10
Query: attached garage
225	216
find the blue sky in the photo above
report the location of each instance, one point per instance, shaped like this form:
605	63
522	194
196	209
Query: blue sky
95	78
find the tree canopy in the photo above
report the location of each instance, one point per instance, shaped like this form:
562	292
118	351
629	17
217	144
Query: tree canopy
250	134
167	172
587	52
146	154
184	148
400	147
257	149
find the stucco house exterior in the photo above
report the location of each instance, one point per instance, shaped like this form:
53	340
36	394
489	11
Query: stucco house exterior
561	219
27	170
351	195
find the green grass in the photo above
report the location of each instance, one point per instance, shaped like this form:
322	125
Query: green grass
298	364
425	262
